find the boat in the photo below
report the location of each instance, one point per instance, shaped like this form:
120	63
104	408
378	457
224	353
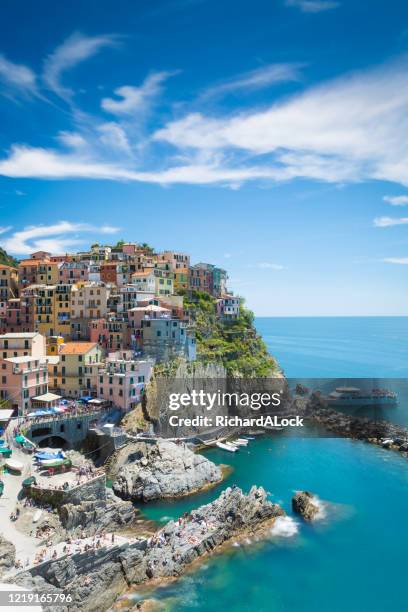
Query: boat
5	451
349	397
240	442
55	463
13	465
26	484
37	515
49	456
226	446
1	487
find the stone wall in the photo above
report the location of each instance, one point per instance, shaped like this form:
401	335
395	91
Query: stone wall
88	491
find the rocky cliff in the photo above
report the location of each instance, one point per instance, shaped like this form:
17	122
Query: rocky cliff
162	469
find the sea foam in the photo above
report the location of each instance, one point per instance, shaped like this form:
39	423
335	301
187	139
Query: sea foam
285	527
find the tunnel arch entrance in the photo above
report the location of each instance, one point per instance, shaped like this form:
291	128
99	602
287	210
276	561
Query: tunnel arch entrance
53	442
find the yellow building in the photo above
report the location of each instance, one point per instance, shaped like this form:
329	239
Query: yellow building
181	279
47	273
71	375
164	282
8	283
54	344
52	308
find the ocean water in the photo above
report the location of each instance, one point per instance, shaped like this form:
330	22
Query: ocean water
354	557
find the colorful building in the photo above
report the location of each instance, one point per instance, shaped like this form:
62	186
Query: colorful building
8	283
68	377
228	307
123	379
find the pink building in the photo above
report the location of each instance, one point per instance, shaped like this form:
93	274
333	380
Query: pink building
122	380
23	369
71	272
111	333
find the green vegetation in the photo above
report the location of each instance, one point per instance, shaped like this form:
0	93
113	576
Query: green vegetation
235	344
7	260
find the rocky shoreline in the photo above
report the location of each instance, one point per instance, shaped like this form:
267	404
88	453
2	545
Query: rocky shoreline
382	433
94	580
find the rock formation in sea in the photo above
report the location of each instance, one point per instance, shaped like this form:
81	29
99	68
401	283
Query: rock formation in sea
95	578
162	469
303	503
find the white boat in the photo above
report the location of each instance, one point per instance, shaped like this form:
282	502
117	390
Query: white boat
52	462
15	466
37	516
240	442
355	397
228	447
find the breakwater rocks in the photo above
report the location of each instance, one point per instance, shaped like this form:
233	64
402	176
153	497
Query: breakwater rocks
95	579
162	469
303	504
382	433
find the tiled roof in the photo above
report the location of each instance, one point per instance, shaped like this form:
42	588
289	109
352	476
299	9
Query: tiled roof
76	348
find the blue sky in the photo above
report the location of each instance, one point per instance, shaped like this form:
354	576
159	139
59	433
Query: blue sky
269	137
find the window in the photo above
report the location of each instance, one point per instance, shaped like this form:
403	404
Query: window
158	333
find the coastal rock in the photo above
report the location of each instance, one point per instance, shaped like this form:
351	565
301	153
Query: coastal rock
7	555
163	469
93	516
303	503
180	543
94	579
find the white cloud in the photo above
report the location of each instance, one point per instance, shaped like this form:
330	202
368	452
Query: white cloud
50	237
353	128
396	200
403	261
134	100
313	6
72	140
73	51
349	129
16	77
113	135
390	221
257	79
5	229
24	162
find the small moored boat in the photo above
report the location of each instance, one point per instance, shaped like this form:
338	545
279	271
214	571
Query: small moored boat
226	446
13	465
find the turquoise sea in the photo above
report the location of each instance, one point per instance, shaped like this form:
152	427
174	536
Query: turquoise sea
354	558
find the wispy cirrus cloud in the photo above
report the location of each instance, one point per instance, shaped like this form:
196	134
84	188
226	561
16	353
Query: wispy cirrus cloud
5	228
396	200
256	79
349	129
74	50
131	100
390	221
313	6
51	237
16	78
401	261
